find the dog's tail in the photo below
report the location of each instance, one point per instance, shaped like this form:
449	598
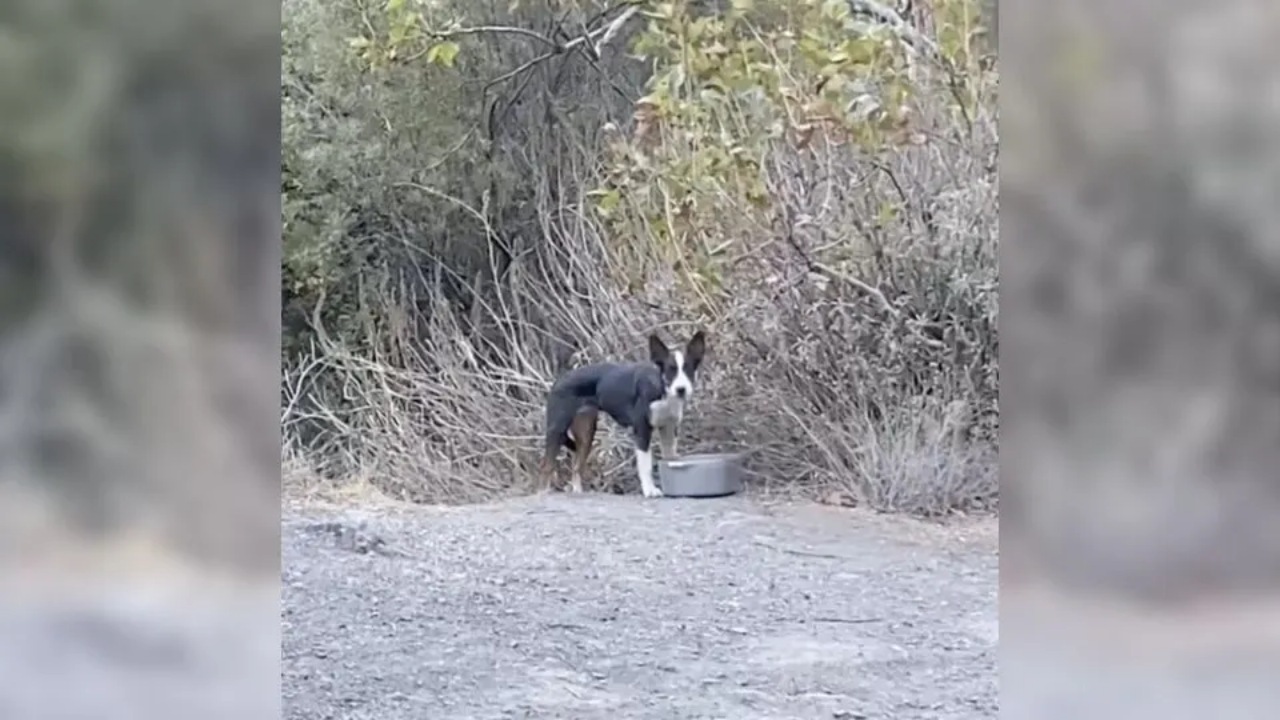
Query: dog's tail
568	396
575	386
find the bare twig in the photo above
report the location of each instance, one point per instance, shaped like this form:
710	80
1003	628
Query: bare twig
614	28
519	69
604	35
498	30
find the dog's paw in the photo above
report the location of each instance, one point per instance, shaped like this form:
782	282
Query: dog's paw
652	492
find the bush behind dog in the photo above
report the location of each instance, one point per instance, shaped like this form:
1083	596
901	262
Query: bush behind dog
843	265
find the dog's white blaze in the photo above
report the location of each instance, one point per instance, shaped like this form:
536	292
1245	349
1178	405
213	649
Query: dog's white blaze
644	468
681	380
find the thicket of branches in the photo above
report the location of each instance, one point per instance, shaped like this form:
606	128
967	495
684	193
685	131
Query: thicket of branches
479	195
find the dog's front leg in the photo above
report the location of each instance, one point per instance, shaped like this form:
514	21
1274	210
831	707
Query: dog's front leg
667	441
644	468
644	463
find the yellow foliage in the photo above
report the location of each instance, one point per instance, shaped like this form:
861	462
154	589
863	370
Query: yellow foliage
443	53
800	66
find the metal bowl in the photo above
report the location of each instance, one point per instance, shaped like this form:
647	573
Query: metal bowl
704	475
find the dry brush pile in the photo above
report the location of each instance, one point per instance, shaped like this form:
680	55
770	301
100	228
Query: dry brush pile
815	186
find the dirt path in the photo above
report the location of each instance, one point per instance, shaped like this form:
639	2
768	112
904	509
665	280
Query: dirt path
615	607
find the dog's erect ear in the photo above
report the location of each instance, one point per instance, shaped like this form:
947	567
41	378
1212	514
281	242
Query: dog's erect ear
658	351
696	348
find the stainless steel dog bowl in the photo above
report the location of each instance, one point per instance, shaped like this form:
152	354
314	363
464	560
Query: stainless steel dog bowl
707	475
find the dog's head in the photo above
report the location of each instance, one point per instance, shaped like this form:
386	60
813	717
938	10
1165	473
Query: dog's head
678	367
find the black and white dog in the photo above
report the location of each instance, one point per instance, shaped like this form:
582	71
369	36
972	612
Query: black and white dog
642	397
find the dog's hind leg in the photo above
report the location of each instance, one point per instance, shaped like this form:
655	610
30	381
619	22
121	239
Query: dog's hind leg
547	467
583	435
560	414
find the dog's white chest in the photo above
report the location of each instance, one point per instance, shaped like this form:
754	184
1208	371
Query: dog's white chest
666	412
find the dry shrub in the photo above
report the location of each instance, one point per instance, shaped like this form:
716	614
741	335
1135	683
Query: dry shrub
886	398
866	374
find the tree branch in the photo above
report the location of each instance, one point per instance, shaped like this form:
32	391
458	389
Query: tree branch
498	30
590	42
609	32
888	16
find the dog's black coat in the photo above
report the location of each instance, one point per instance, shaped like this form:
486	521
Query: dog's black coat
623	391
630	394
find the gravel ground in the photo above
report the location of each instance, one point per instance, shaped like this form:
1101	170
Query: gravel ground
598	606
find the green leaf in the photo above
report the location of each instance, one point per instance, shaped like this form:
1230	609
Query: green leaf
860	51
395	5
888	213
606	200
443	53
